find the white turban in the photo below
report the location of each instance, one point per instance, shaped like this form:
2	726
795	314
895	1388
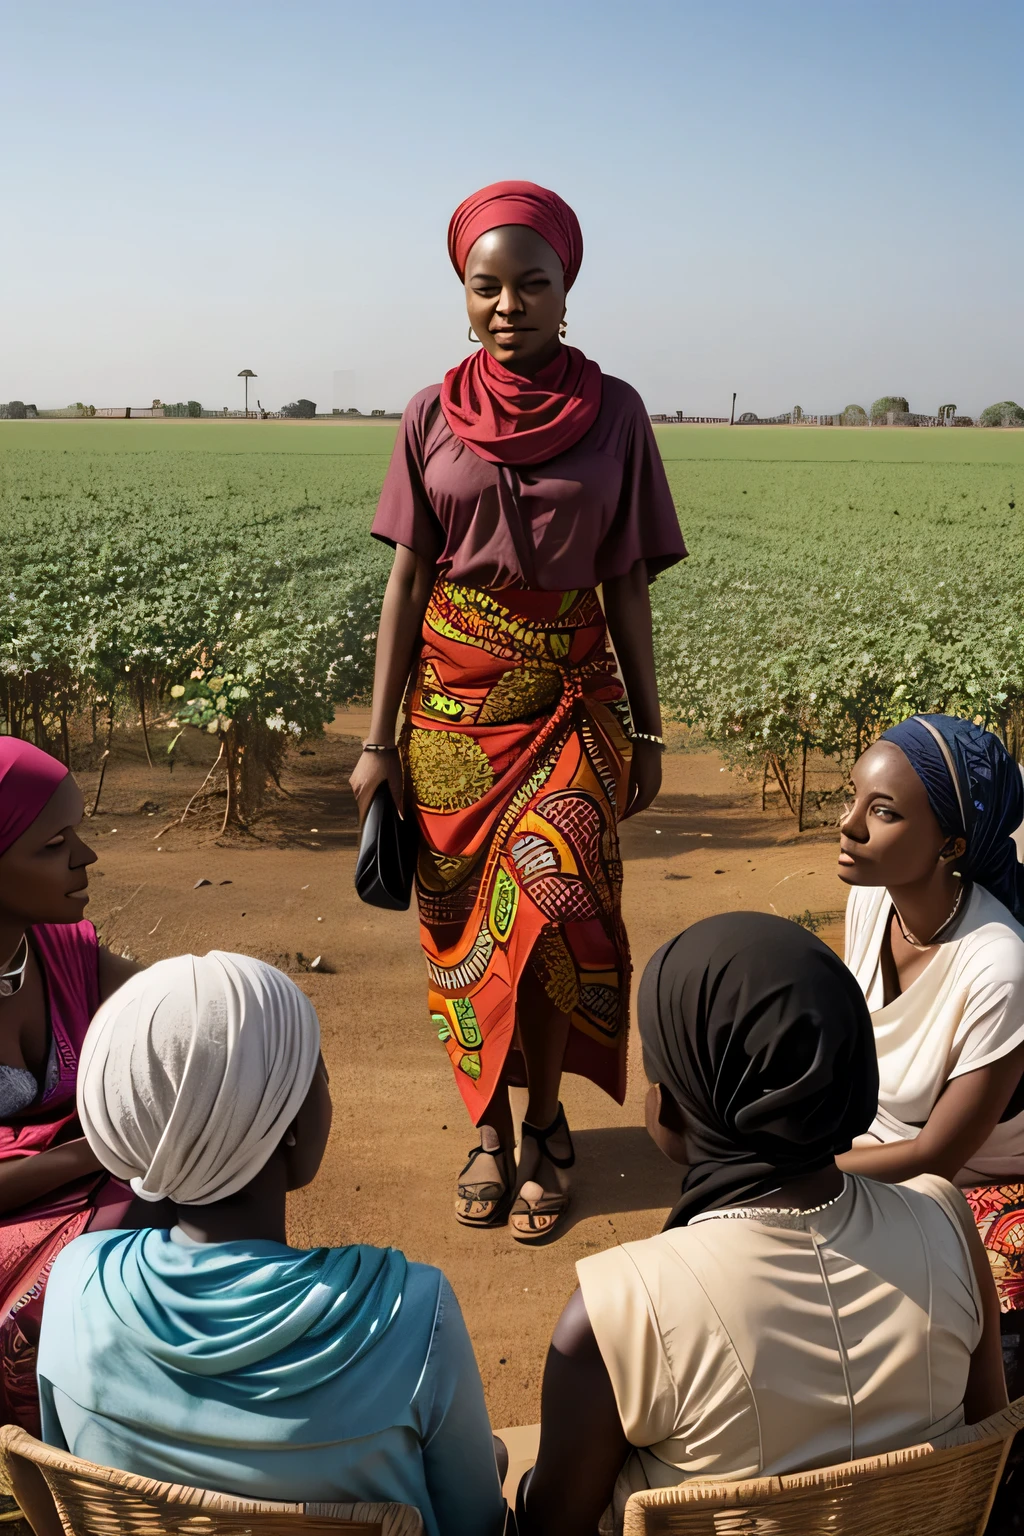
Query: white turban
192	1072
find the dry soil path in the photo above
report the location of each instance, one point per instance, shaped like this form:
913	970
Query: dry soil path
400	1132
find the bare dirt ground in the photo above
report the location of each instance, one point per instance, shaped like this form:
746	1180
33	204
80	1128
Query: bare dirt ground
400	1131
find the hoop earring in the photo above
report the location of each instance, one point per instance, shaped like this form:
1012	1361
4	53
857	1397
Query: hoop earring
563	326
474	339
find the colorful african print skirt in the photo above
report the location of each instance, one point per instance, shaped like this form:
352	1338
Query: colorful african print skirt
516	751
999	1213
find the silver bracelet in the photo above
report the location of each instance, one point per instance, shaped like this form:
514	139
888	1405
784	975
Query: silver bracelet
657	741
378	746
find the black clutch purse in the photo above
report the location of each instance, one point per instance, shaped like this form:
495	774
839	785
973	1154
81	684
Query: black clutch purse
387	854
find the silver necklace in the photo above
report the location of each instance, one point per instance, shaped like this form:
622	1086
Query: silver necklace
776	1213
916	943
11	980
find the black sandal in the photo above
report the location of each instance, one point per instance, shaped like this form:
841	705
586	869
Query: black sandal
491	1198
553	1205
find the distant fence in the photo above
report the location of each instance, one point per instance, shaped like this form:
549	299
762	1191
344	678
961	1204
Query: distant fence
914	419
158	413
750	419
129	412
892	419
708	421
664	418
154	413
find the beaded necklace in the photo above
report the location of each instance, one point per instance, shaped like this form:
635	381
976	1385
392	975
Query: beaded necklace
774	1215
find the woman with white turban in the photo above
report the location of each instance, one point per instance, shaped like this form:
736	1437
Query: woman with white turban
215	1355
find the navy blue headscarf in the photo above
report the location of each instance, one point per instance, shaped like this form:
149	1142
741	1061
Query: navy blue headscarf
975	789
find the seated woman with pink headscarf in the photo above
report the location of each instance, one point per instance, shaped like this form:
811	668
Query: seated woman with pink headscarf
53	976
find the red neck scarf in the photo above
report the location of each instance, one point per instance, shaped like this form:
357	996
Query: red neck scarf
508	419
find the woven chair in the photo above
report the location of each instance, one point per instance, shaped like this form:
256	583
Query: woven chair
942	1488
63	1496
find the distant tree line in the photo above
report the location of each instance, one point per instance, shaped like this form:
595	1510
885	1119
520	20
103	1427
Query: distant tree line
894	411
1006	414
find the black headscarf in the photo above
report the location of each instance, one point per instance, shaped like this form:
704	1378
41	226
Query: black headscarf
762	1036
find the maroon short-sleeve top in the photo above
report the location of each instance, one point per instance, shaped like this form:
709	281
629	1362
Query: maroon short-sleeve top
577	520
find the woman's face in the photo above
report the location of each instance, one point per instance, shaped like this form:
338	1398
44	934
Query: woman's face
515	297
888	834
43	876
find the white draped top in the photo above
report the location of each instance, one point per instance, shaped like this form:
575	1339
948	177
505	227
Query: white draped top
964	1011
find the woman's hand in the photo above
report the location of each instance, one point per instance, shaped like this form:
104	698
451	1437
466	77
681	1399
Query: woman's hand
627	606
398	634
371	771
644	777
24	1179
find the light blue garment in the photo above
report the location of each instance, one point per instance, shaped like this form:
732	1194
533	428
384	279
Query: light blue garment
256	1369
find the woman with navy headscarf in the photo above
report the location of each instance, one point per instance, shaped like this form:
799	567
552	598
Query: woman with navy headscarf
934	937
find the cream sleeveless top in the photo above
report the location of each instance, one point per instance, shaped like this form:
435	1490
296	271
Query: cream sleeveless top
964	1011
736	1348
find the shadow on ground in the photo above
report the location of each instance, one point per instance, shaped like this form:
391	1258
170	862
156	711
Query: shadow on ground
618	1168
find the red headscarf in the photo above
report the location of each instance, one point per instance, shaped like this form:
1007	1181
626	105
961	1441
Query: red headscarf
28	779
517	202
502	416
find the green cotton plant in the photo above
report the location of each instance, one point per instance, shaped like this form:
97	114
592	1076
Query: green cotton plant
260	679
823	603
824	598
211	702
125	580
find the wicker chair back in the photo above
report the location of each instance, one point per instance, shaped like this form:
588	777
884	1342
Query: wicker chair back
942	1488
63	1496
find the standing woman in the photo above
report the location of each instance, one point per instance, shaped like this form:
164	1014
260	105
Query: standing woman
518	487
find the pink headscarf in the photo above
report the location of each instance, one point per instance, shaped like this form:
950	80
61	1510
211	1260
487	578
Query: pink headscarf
517	202
28	779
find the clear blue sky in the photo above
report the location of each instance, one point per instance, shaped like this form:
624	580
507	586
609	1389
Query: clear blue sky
810	203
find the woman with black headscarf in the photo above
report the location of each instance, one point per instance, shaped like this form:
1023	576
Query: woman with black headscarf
788	1316
934	937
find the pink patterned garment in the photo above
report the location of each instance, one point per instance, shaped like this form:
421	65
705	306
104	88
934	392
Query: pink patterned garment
31	1238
